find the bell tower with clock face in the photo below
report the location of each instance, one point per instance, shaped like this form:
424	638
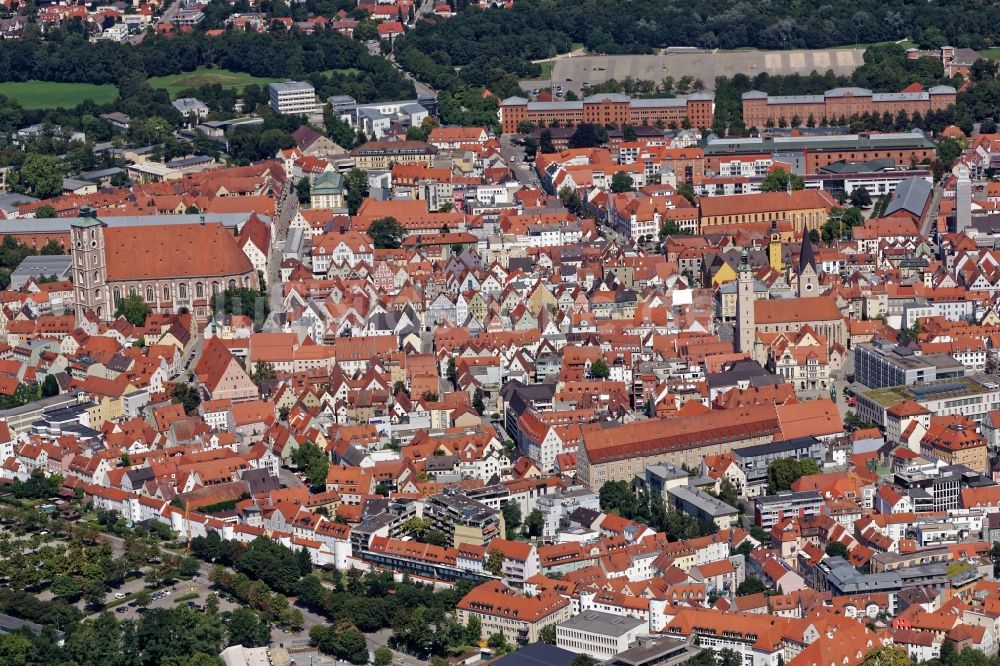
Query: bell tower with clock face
89	270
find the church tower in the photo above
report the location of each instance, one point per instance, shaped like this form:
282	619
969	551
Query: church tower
89	270
774	249
808	279
746	325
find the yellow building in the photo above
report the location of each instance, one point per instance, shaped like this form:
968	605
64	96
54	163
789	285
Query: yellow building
805	209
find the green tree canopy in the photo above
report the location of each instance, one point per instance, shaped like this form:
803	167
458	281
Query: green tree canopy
386	233
599	369
860	198
134	308
782	473
751	585
186	395
309	458
622	182
40	176
241	301
777	181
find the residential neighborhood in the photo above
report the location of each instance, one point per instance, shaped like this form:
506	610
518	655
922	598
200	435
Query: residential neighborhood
323	340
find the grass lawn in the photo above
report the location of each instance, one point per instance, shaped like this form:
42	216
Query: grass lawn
48	95
576	46
175	83
546	69
992	54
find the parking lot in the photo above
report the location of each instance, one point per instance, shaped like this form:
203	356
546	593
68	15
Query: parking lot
573	72
167	597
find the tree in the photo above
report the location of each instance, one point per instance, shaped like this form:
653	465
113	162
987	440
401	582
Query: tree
303	189
134	308
570	199
309	458
548	634
494	563
622	182
383	656
94	593
45	211
349	643
948	150
65	587
910	333
887	656
751	585
247	628
386	233
535	524
583	660
452	372
477	401
511	516
727	492
241	301
599	369
188	566
983	69
777	181
837	549
186	395
586	135
671	228
782	473
860	198
356	181
40	176
617	497
50	386
497	641
263	371
52	248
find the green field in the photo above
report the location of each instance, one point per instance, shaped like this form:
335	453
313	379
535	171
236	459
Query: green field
992	54
546	69
48	95
175	83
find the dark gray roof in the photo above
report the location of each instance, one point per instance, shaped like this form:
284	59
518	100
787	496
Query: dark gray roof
537	654
737	372
911	196
806	255
9	623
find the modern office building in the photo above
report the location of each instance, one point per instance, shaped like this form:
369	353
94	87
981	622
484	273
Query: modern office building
293	97
973	396
463	520
881	364
771	509
754	460
600	635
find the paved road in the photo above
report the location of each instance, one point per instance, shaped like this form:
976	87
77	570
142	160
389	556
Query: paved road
279	636
288	206
932	211
573	72
513	155
168	16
